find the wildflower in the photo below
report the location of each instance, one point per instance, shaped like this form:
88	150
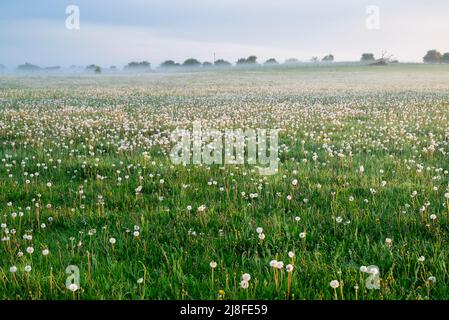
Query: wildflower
339	219
45	252
334	284
112	241
273	263
246	277
433	216
30	250
432	279
27	268
302	235
291	254
289	268
259	230
13	269
421	259
363	269
136	233
140	280
261	236
244	284
213	264
73	287
294	182
388	241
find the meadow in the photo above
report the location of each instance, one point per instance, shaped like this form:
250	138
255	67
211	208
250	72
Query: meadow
86	181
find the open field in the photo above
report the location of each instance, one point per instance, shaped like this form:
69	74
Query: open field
86	180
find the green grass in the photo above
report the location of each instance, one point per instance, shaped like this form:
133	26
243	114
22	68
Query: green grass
86	132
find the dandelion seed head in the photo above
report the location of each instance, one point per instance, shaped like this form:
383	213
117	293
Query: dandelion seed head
334	284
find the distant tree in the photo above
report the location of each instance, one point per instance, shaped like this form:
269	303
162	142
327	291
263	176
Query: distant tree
241	61
291	61
248	61
91	67
251	60
445	58
113	68
432	56
384	60
207	64
169	64
222	63
367	57
191	62
144	65
271	61
328	58
314	59
28	67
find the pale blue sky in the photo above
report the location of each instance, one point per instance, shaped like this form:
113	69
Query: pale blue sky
116	32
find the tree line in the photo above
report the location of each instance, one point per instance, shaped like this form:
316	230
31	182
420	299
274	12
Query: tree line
432	56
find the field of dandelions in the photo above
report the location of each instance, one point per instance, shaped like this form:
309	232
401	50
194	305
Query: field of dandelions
86	180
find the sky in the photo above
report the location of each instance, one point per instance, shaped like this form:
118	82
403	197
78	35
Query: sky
114	32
